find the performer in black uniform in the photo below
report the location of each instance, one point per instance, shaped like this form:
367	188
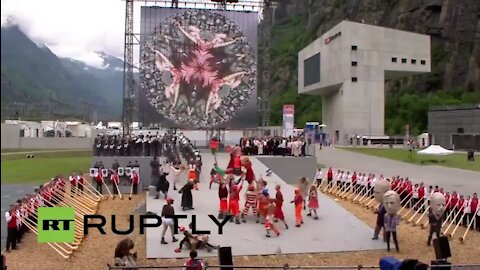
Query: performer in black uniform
97	145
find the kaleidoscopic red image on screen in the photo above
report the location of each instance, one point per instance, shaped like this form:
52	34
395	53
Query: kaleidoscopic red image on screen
198	70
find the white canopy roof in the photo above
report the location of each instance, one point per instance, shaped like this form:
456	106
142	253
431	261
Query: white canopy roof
435	150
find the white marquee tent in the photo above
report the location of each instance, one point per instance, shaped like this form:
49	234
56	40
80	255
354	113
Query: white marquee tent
436	150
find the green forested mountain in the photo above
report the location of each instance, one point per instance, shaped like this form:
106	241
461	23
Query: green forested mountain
35	80
453	25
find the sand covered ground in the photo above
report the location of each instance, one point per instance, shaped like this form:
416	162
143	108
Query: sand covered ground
97	250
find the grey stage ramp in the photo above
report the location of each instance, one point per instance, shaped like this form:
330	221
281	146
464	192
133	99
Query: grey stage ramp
336	230
290	169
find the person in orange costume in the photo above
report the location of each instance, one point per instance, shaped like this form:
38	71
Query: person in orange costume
263	202
233	202
298	200
270	210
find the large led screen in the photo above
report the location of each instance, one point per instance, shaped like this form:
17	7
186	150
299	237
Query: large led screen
311	69
198	68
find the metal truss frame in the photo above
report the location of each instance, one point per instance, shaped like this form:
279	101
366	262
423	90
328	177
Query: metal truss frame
130	86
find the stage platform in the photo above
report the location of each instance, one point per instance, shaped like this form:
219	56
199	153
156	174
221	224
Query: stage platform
335	230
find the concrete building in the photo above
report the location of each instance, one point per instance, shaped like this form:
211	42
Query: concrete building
455	127
27	129
348	66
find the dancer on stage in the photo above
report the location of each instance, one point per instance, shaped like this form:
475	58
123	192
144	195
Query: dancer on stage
250	203
233	200
379	189
263	201
391	202
249	174
192	172
216	175
167	212
162	184
298	200
278	215
303	186
187	198
435	217
223	198
269	225
313	201
176	169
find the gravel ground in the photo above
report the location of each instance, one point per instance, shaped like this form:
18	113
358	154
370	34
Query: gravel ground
97	250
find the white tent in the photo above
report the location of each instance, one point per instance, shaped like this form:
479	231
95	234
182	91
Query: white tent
435	150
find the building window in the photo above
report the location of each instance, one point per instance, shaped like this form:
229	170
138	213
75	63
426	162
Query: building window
354	47
354	63
404	60
354	79
394	59
460	130
414	61
423	62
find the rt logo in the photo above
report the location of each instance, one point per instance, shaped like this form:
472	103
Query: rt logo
56	224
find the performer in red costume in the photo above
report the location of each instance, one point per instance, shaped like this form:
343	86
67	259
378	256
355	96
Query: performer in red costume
234	198
135	181
233	153
99	180
250	202
278	215
329	176
73	184
237	166
223	197
270	210
115	181
249	174
298	201
81	181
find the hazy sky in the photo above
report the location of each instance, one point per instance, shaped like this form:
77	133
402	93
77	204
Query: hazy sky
73	28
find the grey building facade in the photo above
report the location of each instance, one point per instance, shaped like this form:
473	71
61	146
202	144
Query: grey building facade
455	127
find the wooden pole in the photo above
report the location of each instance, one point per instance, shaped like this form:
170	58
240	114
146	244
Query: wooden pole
462	239
450	235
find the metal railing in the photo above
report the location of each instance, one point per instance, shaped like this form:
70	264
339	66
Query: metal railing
454	107
286	267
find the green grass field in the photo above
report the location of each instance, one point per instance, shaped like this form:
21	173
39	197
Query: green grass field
17	169
454	161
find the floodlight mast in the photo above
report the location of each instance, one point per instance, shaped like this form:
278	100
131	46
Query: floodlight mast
130	87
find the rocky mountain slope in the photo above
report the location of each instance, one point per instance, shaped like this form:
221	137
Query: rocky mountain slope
453	25
36	83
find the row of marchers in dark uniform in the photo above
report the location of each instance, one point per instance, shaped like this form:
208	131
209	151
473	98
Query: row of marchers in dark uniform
189	152
131	145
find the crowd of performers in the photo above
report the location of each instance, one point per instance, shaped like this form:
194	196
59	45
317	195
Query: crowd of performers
22	216
415	197
115	177
274	145
258	203
140	144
